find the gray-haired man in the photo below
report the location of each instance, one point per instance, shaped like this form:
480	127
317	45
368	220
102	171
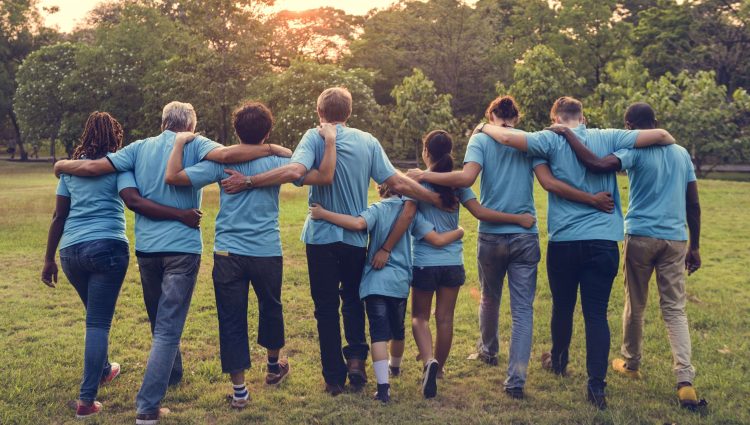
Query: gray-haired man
168	251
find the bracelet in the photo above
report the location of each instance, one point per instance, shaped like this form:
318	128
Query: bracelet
482	127
386	250
248	181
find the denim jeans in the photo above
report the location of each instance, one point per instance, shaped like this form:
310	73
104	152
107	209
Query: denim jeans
517	255
335	272
96	270
168	284
386	316
232	276
592	264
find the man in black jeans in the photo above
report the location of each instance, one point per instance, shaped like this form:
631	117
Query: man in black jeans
335	256
582	250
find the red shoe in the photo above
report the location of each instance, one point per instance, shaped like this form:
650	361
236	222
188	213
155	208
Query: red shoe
84	411
113	373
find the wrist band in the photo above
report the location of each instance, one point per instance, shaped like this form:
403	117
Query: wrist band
386	250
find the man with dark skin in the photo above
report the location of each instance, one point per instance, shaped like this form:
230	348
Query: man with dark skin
663	197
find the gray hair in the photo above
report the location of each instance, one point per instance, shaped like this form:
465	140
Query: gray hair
178	116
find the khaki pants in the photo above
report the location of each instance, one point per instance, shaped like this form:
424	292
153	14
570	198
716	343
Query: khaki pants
642	256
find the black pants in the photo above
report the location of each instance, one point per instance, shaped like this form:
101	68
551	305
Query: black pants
592	264
232	276
335	273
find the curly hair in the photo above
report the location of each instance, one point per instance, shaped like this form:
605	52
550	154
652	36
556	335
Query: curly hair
101	135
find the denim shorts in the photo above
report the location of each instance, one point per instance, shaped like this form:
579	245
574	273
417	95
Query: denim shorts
386	316
430	278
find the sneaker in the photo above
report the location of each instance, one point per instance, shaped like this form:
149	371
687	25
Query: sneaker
487	359
113	373
688	397
151	418
516	393
597	397
84	411
429	379
356	372
238	403
384	393
278	378
547	365
394	371
621	367
334	389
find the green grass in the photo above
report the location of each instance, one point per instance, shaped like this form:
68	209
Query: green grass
42	329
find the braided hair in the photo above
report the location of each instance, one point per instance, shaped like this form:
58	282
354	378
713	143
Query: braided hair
102	134
439	147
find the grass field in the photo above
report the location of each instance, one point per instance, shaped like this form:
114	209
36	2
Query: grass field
41	336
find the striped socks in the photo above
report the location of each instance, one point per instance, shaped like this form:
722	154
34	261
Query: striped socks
240	392
273	364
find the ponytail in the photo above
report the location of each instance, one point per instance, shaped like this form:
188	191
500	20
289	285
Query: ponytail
504	107
439	146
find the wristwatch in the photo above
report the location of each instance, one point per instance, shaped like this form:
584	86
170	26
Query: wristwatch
248	182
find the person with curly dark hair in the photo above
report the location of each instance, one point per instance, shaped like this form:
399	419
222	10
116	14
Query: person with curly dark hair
89	226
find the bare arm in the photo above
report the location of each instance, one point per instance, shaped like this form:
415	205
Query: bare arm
693	206
397	232
485	214
346	221
137	203
442	239
607	164
463	178
237	182
656	136
245	152
408	187
323	176
62	208
96	167
602	201
512	138
175	174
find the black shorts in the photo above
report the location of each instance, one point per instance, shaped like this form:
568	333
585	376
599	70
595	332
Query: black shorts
386	316
430	278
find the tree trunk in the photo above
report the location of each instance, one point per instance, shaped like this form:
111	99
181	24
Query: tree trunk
416	152
19	142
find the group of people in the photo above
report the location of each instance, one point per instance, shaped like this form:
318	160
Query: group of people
361	263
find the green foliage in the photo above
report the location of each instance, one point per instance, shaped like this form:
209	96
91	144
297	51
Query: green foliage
419	109
540	78
292	96
625	81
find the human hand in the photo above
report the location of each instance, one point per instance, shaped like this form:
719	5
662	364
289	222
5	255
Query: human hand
693	260
185	137
415	174
192	218
526	220
49	273
380	259
327	131
316	212
557	129
478	128
460	232
281	151
603	201
235	183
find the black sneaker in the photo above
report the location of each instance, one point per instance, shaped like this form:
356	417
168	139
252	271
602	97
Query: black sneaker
487	359
516	393
395	371
429	379
384	393
597	397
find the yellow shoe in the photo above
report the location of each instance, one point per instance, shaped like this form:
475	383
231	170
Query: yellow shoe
621	367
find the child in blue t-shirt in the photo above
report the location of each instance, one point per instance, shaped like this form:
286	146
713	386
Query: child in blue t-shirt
385	291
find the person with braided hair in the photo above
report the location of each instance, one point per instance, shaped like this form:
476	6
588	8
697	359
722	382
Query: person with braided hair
89	226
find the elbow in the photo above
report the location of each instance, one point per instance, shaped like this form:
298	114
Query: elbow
546	185
666	137
297	173
171	179
327	179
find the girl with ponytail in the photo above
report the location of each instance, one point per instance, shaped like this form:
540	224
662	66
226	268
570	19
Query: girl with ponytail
439	271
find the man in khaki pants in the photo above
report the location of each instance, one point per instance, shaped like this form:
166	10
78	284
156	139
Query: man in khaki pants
663	197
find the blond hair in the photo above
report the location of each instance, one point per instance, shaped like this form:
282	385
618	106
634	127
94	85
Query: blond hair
335	104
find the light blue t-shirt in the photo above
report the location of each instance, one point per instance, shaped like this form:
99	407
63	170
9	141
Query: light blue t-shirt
507	182
659	176
248	222
359	157
571	221
96	210
148	160
452	254
393	279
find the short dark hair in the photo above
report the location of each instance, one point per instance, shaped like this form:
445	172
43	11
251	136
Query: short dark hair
253	122
566	108
640	116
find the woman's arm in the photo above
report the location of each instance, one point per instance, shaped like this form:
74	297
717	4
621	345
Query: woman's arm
137	203
344	220
602	201
442	239
607	164
485	214
91	168
49	271
246	152
397	232
323	176
464	178
175	174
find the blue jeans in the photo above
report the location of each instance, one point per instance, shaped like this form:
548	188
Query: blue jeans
168	284
592	265
96	270
517	255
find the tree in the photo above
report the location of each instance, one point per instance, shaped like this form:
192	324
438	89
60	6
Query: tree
292	96
42	99
624	82
540	78
418	110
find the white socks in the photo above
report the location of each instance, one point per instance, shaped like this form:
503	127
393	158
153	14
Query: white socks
381	371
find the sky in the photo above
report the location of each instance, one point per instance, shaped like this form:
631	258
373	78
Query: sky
73	11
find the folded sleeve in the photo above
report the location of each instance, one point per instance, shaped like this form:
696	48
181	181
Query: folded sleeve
627	158
421	227
474	151
205	173
203	146
465	194
371	216
125	180
538	161
124	159
618	139
540	143
62	188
